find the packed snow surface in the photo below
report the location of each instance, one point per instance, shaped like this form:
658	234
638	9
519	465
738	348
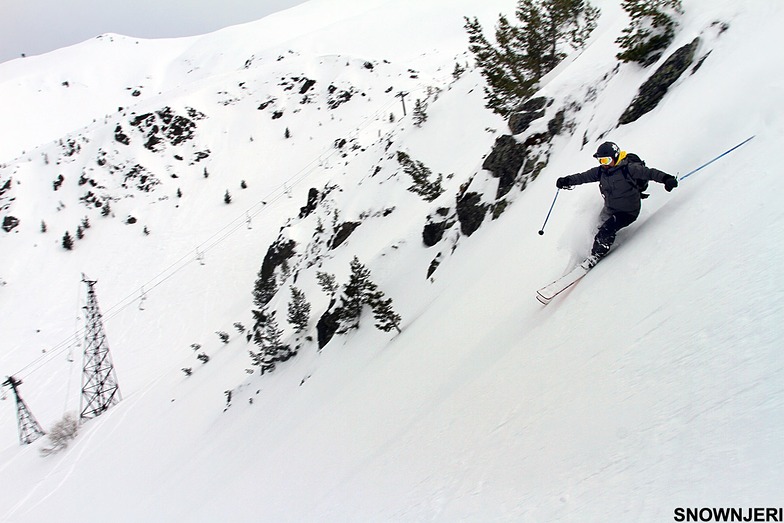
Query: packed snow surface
655	383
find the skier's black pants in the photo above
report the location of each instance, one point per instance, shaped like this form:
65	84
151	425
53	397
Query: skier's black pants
613	222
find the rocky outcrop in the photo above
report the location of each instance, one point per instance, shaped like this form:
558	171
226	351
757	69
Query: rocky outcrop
328	325
10	223
342	233
654	89
278	254
531	110
436	226
505	161
470	212
305	211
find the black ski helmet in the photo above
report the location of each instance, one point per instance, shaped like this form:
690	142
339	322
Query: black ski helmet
608	150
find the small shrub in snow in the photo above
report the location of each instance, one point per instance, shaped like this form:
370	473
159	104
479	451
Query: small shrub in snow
61	434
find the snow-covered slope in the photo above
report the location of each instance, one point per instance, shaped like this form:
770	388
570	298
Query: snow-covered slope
653	384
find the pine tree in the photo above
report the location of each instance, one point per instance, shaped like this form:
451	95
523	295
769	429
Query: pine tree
420	174
327	283
651	30
268	336
523	54
227	197
420	114
458	71
43	226
386	317
507	81
360	291
355	295
67	241
298	310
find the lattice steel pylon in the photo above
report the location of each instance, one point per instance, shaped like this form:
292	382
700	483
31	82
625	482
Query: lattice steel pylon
29	429
99	382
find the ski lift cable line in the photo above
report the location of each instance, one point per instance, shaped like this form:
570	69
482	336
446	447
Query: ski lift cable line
219	236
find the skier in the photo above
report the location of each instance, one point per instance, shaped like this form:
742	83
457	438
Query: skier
622	177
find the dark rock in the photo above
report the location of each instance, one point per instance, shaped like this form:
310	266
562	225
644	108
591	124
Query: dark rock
305	211
654	89
120	136
342	233
470	212
434	231
505	161
434	265
555	126
307	85
531	110
328	325
278	254
10	223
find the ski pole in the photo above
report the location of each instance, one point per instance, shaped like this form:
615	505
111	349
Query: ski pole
541	231
719	156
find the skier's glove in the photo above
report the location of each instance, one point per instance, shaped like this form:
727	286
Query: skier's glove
670	183
562	183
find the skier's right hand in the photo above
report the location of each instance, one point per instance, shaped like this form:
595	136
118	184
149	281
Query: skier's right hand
562	183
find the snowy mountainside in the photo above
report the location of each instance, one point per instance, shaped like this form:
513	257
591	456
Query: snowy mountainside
653	384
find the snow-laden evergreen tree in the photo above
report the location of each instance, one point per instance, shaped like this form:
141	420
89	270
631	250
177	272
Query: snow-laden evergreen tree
523	54
327	283
360	291
420	174
355	295
458	71
298	310
420	113
386	317
652	29
269	337
67	241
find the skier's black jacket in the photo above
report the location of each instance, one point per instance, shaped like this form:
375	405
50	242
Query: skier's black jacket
617	183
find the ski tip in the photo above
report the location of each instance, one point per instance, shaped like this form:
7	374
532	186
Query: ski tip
542	299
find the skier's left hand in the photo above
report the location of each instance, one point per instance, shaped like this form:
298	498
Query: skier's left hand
670	183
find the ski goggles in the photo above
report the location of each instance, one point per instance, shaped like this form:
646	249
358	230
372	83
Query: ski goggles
605	160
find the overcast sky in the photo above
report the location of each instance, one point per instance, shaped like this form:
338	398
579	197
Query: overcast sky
38	26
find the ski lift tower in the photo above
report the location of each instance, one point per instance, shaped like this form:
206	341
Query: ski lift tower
29	429
99	382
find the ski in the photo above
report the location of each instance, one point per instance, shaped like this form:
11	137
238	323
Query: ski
547	293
